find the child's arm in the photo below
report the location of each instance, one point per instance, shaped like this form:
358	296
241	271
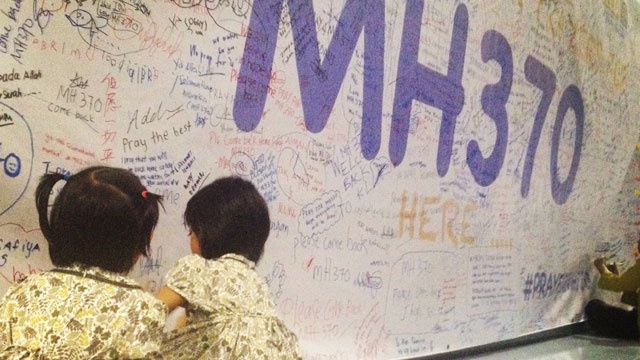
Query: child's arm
170	298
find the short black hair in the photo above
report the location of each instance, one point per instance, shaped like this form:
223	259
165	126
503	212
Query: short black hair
229	215
103	216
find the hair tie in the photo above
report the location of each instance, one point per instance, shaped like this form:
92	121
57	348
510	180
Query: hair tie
144	194
66	176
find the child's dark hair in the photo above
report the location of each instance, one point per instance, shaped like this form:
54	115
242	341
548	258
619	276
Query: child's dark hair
229	215
103	216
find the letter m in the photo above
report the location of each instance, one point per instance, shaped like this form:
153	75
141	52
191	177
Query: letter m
320	79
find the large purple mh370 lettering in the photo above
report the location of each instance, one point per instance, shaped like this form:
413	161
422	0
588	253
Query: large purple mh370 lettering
320	81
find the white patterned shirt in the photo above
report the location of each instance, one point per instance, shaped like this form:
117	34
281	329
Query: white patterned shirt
230	314
80	313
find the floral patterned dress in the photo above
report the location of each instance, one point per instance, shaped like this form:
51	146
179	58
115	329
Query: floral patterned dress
230	314
80	313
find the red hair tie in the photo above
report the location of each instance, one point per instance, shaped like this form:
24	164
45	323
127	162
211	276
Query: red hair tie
144	194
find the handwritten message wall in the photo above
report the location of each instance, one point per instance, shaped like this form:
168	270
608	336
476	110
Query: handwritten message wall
439	173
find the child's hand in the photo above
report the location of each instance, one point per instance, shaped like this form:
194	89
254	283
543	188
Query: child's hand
599	264
613	267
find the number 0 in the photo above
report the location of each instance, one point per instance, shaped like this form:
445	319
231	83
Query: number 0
571	98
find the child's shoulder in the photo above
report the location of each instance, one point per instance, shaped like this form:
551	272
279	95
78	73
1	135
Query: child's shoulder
190	260
197	263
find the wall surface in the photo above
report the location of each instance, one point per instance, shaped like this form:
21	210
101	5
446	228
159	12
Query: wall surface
440	174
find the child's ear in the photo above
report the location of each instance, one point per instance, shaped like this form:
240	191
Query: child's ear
195	243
